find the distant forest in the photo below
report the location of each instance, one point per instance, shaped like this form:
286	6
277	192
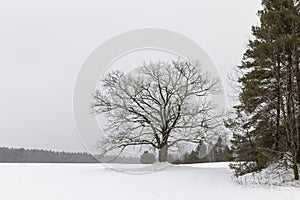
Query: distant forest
220	152
21	155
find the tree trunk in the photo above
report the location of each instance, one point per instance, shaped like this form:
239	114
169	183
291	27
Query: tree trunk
278	107
298	96
163	153
296	170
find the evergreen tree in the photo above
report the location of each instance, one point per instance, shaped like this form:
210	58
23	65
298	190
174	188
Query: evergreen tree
266	126
202	152
191	157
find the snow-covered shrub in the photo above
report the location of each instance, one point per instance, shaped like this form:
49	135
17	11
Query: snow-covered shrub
241	168
273	175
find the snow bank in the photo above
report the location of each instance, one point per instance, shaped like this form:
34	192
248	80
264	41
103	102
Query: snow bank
274	175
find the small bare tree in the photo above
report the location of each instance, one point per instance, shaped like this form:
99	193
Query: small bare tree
158	104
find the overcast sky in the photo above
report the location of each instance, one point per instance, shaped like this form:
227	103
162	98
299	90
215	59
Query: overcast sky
44	43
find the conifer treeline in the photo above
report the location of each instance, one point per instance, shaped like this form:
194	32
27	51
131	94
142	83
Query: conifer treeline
266	126
21	155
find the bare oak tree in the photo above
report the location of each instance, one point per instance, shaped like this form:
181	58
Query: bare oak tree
159	104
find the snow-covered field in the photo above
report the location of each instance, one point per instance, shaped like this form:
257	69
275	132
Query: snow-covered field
94	181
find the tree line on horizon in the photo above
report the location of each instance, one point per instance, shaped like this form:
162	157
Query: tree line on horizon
220	152
21	155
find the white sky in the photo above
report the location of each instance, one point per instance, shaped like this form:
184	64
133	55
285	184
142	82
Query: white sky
44	43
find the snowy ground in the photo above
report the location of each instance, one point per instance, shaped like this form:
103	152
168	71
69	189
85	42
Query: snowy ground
94	181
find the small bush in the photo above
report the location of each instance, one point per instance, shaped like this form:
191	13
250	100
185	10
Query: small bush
242	168
147	158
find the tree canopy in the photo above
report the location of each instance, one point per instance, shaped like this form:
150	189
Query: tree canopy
158	105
